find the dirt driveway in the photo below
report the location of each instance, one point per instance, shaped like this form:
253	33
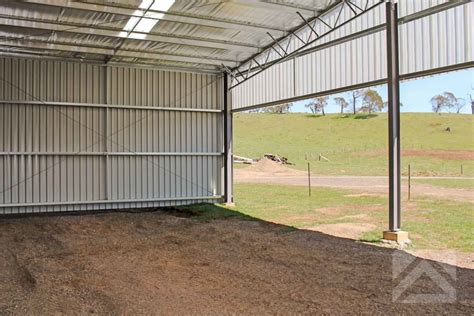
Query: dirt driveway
162	263
266	171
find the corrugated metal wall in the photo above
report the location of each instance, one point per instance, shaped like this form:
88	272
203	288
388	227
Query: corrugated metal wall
441	40
81	136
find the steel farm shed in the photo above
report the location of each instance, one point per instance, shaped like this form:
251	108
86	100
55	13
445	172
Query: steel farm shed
109	104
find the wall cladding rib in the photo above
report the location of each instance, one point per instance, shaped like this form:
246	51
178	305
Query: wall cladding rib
437	41
82	137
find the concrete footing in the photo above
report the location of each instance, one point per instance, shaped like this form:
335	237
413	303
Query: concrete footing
400	237
229	204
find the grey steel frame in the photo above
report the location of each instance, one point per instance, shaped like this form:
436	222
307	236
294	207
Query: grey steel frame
253	67
228	133
393	87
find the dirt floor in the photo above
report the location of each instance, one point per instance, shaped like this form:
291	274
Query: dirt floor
267	171
178	263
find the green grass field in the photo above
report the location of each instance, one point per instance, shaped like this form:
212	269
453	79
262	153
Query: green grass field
448	183
357	145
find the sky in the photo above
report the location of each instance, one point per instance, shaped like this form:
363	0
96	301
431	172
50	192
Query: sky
416	94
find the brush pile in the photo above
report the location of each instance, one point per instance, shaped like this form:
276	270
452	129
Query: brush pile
278	159
273	157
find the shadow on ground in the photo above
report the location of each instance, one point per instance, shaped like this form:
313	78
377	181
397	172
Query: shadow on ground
202	259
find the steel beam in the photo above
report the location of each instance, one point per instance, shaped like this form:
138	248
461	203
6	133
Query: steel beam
110	106
165	16
393	86
108	153
182	198
70	47
276	6
228	133
48	25
369	84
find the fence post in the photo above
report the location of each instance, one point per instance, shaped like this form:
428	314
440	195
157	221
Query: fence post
409	182
309	180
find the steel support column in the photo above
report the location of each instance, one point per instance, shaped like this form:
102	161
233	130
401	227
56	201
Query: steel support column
393	115
228	155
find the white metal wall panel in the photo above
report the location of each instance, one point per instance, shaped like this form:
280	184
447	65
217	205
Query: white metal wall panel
82	137
274	84
440	40
334	68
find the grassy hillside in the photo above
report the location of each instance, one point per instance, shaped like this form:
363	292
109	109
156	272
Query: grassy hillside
358	144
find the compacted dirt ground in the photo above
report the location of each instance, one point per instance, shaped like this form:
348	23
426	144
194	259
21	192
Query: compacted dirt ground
179	262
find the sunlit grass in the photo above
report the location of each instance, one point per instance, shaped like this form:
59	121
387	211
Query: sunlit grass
448	183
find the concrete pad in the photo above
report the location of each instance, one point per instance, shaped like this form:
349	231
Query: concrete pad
400	237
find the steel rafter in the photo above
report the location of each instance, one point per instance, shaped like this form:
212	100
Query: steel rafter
251	67
101	29
123	10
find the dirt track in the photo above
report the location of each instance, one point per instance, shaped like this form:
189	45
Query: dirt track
159	263
269	172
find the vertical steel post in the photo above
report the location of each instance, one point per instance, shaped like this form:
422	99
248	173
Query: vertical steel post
393	115
228	156
106	131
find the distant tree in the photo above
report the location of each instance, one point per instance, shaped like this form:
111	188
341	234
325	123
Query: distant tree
279	109
472	103
438	102
317	105
372	101
354	97
460	104
447	101
451	100
342	103
472	99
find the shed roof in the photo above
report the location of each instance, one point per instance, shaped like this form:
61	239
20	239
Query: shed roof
199	34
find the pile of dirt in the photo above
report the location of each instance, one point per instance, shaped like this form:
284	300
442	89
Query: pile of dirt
270	167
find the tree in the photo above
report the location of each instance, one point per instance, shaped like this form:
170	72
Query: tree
342	103
317	105
372	101
460	105
451	100
437	103
279	109
454	102
472	100
447	101
354	97
472	104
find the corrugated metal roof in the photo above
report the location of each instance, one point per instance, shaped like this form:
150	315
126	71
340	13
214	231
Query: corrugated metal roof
201	34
